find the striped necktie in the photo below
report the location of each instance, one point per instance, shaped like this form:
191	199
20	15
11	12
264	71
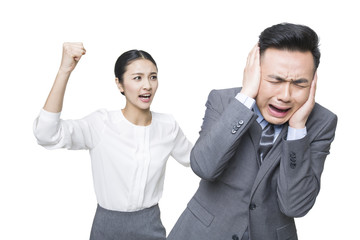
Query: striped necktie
266	141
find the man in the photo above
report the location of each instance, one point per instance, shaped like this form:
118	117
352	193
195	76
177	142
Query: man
262	147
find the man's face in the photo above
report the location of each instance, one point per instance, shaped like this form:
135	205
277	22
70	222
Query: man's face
285	82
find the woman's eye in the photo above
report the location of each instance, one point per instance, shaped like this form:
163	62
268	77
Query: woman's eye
153	77
137	78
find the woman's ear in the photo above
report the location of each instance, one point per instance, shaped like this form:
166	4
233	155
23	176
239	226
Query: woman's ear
119	85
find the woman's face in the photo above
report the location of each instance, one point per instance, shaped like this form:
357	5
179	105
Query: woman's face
140	84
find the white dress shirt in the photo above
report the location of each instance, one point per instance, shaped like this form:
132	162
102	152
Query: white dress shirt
128	161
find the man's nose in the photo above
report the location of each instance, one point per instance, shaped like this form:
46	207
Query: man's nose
284	93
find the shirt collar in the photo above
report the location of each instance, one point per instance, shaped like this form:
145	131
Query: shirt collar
260	119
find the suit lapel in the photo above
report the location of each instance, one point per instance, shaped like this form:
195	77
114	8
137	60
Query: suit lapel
273	157
255	134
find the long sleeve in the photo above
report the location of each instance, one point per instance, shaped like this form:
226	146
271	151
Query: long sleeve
182	147
302	162
222	128
52	132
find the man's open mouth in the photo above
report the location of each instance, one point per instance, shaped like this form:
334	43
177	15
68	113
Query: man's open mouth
278	109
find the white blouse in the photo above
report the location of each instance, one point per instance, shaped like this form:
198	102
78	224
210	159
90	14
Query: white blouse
128	161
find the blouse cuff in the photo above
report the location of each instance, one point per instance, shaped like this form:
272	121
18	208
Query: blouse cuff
46	115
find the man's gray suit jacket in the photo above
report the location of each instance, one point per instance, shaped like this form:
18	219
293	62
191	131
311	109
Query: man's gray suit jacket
236	192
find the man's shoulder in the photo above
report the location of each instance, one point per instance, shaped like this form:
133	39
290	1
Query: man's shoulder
226	92
321	112
222	97
321	116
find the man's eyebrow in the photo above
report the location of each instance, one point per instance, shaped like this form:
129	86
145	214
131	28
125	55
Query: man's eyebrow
276	77
300	80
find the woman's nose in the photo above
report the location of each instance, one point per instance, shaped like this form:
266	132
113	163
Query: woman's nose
147	84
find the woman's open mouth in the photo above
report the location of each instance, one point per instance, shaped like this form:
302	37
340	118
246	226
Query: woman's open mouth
145	97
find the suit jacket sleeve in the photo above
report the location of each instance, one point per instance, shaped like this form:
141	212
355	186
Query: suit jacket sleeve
302	162
225	122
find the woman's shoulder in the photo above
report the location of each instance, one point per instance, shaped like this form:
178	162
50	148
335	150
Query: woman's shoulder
101	112
164	119
100	115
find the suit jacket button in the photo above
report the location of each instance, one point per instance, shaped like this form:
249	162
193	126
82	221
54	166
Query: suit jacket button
292	165
233	131
241	122
235	237
252	206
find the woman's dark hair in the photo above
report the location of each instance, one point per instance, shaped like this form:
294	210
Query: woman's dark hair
292	37
128	57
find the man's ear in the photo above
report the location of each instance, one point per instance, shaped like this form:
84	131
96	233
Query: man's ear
119	85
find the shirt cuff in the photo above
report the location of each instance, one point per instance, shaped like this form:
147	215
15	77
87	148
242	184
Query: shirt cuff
46	115
247	101
296	133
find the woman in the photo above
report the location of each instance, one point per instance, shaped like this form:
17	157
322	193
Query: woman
128	148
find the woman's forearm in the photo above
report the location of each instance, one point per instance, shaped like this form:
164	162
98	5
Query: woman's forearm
55	99
72	52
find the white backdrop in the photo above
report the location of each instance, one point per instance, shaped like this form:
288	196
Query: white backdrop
198	46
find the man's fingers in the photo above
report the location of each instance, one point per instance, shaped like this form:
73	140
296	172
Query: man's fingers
251	75
253	55
313	86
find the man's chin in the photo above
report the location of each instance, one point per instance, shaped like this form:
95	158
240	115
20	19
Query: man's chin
275	120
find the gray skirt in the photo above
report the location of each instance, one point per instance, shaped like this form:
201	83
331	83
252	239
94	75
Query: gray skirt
140	225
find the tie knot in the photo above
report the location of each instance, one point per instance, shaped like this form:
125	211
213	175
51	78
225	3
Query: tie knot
269	128
267	134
